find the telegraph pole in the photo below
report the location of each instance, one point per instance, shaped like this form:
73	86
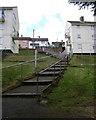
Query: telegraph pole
33	32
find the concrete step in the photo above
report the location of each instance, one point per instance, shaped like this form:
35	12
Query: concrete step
25	90
51	73
42	80
58	65
20	94
62	63
56	69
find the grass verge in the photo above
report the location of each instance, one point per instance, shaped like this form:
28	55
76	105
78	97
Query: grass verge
17	74
75	92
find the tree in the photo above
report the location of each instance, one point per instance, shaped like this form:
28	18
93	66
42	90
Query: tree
83	5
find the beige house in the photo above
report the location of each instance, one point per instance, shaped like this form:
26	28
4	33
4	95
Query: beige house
9	28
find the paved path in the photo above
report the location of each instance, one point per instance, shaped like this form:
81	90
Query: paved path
19	102
24	107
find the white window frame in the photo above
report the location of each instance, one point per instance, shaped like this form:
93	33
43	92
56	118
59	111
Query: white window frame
94	37
1	40
79	36
78	26
14	17
79	46
92	27
24	41
1	26
94	46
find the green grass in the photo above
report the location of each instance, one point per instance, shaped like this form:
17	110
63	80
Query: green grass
21	57
83	59
27	52
4	64
16	74
75	92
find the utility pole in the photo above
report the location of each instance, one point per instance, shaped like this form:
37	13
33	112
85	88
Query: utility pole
33	32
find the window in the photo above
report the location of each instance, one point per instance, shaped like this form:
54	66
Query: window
94	37
79	36
1	26
78	26
1	13
24	41
92	27
94	46
1	40
14	17
79	46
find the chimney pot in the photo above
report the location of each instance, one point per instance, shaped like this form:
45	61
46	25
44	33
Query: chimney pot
82	18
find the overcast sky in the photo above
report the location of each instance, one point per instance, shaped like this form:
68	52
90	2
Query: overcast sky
47	17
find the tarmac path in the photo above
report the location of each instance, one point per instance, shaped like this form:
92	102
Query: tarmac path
22	107
18	102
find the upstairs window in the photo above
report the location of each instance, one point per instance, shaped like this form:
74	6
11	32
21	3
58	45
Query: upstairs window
14	17
79	46
1	13
1	40
78	26
24	41
94	46
94	37
1	26
92	27
79	36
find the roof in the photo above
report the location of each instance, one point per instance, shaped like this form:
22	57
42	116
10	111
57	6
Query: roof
57	42
39	39
34	43
83	23
33	39
7	8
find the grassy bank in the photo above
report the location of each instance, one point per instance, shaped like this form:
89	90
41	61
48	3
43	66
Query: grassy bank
21	57
14	75
75	92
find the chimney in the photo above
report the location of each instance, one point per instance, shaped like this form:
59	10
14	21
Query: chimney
82	19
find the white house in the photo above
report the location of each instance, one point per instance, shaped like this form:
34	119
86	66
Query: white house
9	28
38	43
81	36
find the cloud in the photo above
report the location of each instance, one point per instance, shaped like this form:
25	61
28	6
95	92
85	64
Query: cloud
47	17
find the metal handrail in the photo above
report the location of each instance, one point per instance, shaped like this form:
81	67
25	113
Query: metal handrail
24	62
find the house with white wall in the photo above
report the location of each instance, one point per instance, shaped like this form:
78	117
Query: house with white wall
81	36
38	43
9	29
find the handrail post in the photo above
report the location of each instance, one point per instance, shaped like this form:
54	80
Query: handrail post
37	82
60	67
67	59
35	61
54	72
21	71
